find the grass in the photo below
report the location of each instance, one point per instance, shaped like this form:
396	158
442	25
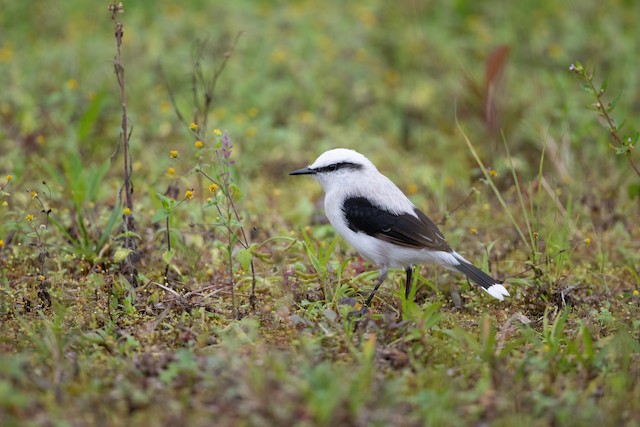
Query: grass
235	312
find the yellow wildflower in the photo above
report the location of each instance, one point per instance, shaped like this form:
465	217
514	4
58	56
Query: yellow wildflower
587	241
474	230
193	127
1	243
34	194
41	278
9	178
199	144
217	132
635	291
72	84
213	188
29	217
188	194
40	139
171	171
493	172
126	211
173	154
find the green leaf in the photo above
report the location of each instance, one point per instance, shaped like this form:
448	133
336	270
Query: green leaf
235	192
89	118
168	255
614	102
603	87
586	87
167	203
622	149
121	254
160	215
634	190
244	258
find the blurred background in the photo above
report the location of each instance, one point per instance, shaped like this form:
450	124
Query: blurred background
389	79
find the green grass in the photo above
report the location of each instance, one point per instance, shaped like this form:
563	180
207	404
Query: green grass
535	189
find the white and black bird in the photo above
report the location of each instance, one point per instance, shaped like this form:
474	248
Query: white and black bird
382	224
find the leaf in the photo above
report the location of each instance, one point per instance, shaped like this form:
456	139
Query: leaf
614	102
622	149
634	190
244	258
586	87
494	65
121	254
235	191
160	215
167	203
603	87
168	255
90	116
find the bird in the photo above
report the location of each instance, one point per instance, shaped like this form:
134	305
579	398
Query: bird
373	215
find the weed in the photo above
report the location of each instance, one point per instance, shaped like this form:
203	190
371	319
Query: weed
624	145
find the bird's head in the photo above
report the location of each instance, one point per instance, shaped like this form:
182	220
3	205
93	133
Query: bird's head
337	167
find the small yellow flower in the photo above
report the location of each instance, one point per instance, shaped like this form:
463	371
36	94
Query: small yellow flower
252	112
34	194
9	178
209	200
126	211
493	172
635	291
40	139
213	188
199	144
412	189
173	154
535	234
193	127
41	278
72	84
188	194
29	217
587	241
1	243
474	230
171	171
217	132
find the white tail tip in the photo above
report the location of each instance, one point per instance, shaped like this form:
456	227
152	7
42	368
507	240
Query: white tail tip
498	291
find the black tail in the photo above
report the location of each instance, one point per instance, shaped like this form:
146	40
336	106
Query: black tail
475	274
488	283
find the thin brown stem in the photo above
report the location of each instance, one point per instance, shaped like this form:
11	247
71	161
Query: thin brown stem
127	219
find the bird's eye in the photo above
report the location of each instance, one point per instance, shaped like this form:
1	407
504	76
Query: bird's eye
333	168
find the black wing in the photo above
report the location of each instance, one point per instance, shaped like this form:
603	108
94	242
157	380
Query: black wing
403	230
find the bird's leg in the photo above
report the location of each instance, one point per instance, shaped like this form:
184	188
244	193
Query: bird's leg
363	310
408	284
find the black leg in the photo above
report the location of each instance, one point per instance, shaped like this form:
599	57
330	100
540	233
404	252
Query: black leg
408	283
363	310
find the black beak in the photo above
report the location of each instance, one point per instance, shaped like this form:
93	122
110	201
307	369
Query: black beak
303	171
